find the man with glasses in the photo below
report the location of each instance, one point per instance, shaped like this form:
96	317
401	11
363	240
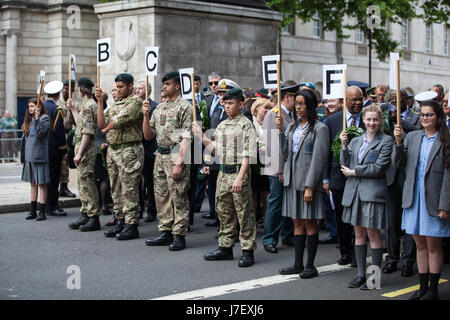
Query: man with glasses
380	93
334	180
213	106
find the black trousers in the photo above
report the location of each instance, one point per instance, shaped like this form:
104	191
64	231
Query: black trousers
394	232
147	190
193	179
344	230
212	186
52	187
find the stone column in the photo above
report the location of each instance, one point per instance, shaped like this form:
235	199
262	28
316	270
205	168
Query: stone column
11	73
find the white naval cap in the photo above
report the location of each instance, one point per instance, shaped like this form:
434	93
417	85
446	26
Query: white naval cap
425	96
53	87
227	84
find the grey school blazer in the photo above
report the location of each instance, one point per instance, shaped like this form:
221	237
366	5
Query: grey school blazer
370	179
437	177
310	160
36	147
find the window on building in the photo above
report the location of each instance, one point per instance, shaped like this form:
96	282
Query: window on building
405	34
445	40
428	38
359	36
289	29
317	26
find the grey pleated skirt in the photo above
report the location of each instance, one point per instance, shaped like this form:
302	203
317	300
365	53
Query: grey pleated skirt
371	215
36	172
295	207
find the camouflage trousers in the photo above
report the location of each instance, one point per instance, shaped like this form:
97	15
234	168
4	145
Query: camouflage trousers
232	206
87	187
64	179
172	199
124	169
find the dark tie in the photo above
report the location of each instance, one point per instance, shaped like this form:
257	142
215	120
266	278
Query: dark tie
353	123
448	123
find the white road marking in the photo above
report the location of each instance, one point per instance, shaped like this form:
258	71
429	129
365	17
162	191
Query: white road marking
247	285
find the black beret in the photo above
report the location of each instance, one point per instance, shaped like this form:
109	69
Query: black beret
85	82
174	75
234	93
124	77
72	83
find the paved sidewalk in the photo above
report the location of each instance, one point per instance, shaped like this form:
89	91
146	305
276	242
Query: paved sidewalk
15	194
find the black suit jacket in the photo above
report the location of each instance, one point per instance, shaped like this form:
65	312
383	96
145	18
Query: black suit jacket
57	134
333	170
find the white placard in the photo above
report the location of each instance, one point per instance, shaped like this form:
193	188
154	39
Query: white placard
269	70
41	78
103	52
73	66
333	81
394	56
185	80
151	61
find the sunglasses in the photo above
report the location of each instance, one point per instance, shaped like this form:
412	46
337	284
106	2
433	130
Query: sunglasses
427	115
213	82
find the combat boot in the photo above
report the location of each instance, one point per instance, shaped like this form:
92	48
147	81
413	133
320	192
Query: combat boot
81	220
179	243
220	253
93	224
41	216
116	230
65	192
247	258
130	231
164	239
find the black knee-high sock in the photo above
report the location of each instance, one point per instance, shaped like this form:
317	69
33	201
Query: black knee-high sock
434	281
33	206
299	243
377	256
41	207
311	245
361	253
423	280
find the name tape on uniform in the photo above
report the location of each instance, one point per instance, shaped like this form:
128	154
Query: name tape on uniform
103	52
333	80
269	69
185	80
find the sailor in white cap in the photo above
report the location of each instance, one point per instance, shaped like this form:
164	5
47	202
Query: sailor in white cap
425	96
56	147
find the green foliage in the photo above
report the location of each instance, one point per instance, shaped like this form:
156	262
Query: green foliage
352	132
332	13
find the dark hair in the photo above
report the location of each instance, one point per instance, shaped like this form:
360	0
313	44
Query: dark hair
441	127
311	106
85	91
28	117
249	93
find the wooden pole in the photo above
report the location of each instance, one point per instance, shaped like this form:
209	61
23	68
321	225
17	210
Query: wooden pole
98	76
193	98
70	77
39	94
398	92
279	88
344	108
146	88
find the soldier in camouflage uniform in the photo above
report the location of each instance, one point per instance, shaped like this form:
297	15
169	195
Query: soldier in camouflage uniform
171	123
68	124
85	154
234	144
122	124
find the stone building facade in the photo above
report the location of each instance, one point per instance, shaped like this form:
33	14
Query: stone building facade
40	35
